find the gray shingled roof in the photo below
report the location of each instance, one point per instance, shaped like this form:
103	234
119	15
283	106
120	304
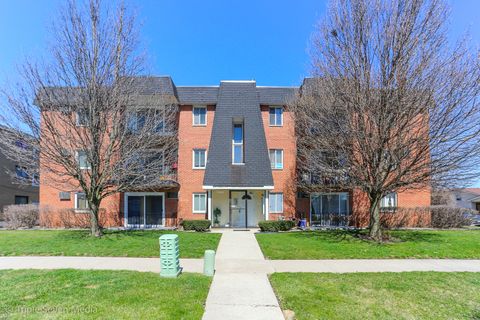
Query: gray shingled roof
155	85
200	95
164	85
275	95
238	100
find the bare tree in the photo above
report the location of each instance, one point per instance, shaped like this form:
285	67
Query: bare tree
391	105
91	127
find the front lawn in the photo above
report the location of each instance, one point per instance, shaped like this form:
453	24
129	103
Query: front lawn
113	243
407	295
80	294
339	244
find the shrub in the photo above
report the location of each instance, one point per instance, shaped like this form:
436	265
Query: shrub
450	217
21	216
197	225
275	226
418	217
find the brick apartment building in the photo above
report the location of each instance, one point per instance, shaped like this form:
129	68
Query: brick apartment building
236	153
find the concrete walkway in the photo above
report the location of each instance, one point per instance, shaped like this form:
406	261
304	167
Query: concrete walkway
255	266
375	265
95	263
240	287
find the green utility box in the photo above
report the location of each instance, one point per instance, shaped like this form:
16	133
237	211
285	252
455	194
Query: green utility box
169	256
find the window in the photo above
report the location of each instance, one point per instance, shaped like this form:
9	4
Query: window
82	160
237	144
21	199
199	202
199	158
276	158
275	202
330	209
81	117
389	202
137	120
35	180
172	195
276	116
199	116
81	201
21	172
64	195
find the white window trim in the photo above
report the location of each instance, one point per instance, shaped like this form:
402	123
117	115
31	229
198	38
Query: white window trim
269	202
389	208
75	204
275	160
193	159
193	202
193	116
78	161
281	116
242	144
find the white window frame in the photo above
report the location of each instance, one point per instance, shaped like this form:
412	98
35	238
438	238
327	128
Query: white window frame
193	158
270	202
281	116
193	116
77	156
236	144
193	202
383	203
75	204
274	166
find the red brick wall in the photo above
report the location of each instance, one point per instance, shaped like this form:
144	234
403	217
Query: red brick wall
191	180
60	213
284	180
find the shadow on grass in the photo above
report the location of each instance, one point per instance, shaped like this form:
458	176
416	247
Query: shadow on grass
356	235
109	235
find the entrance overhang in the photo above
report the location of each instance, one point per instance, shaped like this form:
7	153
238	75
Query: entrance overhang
238	188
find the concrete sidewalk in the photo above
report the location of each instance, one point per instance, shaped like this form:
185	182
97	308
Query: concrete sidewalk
234	264
375	265
95	263
240	287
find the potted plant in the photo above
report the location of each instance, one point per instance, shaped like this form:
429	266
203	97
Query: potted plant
216	215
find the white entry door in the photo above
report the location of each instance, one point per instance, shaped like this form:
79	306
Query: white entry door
241	218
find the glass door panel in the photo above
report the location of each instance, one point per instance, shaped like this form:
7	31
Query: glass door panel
135	210
154	210
237	209
329	209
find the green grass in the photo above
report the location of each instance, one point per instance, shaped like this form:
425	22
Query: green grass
408	295
338	244
113	243
76	294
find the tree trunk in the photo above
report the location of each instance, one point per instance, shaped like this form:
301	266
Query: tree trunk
95	230
374	225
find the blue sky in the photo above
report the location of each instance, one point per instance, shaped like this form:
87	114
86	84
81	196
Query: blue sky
203	42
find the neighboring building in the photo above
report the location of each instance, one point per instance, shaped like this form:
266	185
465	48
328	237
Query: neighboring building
237	153
11	191
468	198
